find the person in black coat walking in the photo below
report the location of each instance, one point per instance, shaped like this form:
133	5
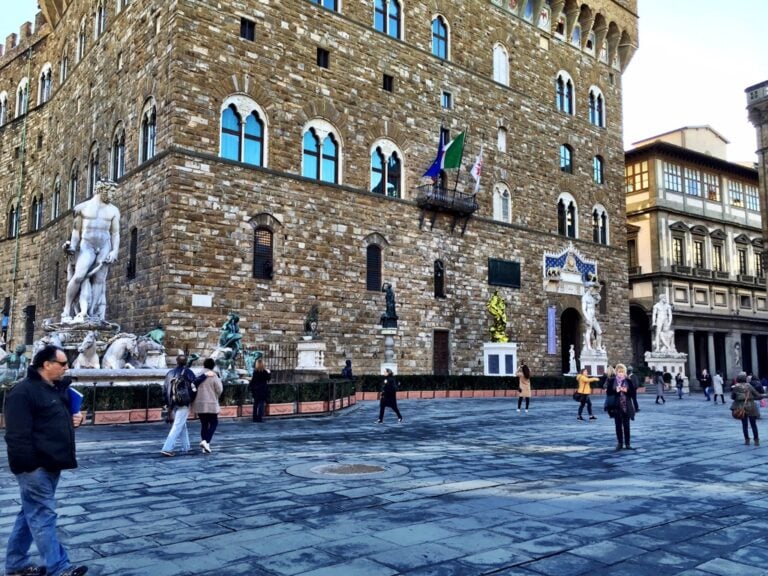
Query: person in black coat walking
259	387
389	397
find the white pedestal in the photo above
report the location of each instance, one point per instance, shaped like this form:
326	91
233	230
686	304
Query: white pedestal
389	350
500	358
672	362
311	355
595	361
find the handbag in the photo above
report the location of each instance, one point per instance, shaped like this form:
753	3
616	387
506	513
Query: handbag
577	396
740	412
610	403
763	403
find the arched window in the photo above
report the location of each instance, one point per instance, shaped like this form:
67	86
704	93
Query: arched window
36	214
373	267
82	40
243	131
567	216
148	131
3	108
596	108
64	66
22	97
133	250
100	19
14	217
394	19
564	93
386	169
263	263
440	38
117	157
93	169
566	159
599	225
528	11
500	64
439	279
598	175
56	198
73	180
321	157
501	139
387	17
502	203
576	35
44	86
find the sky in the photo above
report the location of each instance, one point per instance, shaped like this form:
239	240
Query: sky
696	58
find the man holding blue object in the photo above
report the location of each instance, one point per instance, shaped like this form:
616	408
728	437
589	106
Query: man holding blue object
40	437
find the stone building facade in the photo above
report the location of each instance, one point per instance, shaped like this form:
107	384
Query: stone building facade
696	236
269	154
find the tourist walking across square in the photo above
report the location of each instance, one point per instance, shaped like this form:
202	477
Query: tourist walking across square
206	403
585	389
178	408
717	388
706	383
388	397
744	407
524	375
679	382
40	438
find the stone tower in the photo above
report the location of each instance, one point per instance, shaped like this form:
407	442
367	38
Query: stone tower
757	107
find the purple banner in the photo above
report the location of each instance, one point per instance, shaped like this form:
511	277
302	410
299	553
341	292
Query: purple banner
551	331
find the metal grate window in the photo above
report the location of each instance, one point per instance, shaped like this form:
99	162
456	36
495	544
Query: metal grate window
262	254
373	268
503	273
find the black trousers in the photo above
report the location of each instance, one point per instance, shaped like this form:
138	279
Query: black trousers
753	424
520	402
208	424
621	420
585	400
392	405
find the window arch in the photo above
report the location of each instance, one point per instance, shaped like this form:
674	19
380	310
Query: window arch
243	131
117	153
564	96
45	84
99	19
56	198
93	169
373	267
148	131
501	139
567	216
596	107
387	169
598	170
439	278
263	253
500	64
82	40
321	153
64	66
576	35
440	38
3	107
599	225
502	203
387	17
73	184
36	214
566	159
22	97
14	218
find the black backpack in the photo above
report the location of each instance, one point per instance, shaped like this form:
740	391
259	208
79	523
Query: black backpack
183	391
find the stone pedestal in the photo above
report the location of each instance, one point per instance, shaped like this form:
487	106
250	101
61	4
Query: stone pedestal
672	362
500	358
311	356
389	350
595	361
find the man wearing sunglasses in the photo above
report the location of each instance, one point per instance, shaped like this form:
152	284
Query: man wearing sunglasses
40	437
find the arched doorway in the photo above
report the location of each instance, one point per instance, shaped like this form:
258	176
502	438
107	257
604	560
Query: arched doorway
570	330
640	335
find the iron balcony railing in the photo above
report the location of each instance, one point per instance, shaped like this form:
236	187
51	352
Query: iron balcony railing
436	197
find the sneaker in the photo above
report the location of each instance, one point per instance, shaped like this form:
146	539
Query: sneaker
207	448
379	421
75	571
593	417
29	571
518	409
579	418
163	453
202	443
526	410
399	420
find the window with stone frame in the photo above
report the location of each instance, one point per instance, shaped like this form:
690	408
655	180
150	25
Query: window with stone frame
3	108
44	85
598	173
698	253
321	156
636	176
741	259
93	169
736	193
329	4
717	257
632	261
14	219
100	19
439	279
501	139
36	218
672	177
387	17
373	268
117	154
692	182
82	40
502	203
64	66
712	186
440	47
56	198
566	159
243	131
564	93
752	197
596	107
263	253
759	264
678	250
386	169
247	29
567	216
133	251
600	225
500	64
148	135
22	97
73	185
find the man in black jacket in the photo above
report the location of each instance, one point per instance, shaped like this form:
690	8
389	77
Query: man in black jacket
40	436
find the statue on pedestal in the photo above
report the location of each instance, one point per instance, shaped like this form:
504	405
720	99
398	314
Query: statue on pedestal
498	310
310	323
593	333
230	336
572	360
92	247
664	336
389	318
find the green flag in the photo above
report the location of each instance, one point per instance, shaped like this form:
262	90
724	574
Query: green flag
453	153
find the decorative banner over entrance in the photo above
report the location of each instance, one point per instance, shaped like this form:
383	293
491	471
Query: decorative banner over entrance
551	330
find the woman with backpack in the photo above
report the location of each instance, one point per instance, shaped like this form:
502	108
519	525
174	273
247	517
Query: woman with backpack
389	397
178	390
206	403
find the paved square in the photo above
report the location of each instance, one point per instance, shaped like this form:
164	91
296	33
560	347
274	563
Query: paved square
462	487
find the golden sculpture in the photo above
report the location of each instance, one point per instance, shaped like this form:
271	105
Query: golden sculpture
498	309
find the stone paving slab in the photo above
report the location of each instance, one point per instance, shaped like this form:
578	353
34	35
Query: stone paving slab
471	488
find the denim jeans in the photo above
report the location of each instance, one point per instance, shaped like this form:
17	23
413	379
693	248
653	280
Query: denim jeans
36	521
179	428
258	410
208	424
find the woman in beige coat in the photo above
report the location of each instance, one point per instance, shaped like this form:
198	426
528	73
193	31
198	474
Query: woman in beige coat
206	403
524	374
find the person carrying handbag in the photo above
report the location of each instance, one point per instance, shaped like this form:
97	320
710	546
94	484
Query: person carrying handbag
744	408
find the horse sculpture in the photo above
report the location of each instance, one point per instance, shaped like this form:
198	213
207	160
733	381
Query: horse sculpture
123	347
52	338
88	356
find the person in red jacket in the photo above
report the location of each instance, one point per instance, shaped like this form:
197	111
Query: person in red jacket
40	438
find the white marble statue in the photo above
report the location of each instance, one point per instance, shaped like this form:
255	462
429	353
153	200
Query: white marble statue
88	355
664	336
593	333
92	248
572	361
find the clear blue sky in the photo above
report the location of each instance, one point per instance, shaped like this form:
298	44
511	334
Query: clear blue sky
696	57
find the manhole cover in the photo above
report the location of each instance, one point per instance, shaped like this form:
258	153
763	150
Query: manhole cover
347	470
